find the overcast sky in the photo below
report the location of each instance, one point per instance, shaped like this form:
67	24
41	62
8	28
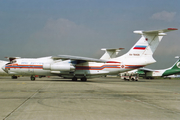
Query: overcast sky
38	28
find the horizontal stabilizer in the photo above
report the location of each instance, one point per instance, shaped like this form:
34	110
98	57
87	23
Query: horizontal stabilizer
155	31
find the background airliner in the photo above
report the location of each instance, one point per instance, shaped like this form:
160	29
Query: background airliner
150	73
75	67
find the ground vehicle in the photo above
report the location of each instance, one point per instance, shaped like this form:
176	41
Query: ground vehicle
130	76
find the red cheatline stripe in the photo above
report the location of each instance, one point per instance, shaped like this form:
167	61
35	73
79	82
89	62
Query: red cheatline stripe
112	62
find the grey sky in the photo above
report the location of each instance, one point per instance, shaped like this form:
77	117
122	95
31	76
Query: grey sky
37	28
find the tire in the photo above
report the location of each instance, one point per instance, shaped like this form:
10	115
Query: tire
33	78
14	77
74	79
84	79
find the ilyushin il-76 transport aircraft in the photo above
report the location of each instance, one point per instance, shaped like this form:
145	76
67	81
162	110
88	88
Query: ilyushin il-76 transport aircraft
109	54
75	67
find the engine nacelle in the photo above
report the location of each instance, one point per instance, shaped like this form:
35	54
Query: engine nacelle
58	67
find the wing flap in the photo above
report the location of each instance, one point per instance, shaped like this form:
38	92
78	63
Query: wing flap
146	69
69	57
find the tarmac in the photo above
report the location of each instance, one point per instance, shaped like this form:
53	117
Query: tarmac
110	98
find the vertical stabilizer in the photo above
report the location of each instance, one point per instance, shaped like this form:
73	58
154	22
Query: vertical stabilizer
175	69
142	51
176	65
148	42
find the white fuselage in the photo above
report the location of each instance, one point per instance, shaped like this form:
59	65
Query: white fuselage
88	69
157	73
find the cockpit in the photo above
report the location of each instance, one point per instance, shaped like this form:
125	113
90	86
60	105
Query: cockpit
12	60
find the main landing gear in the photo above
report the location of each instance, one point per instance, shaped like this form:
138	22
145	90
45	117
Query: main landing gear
82	79
74	79
32	78
14	77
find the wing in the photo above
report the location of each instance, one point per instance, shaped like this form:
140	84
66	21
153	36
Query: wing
146	69
78	58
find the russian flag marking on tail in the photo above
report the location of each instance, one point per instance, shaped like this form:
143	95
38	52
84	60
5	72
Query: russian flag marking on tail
140	47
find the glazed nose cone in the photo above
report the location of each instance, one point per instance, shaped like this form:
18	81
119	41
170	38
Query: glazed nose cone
4	68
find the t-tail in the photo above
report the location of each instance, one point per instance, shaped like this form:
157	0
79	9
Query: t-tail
175	69
176	65
145	46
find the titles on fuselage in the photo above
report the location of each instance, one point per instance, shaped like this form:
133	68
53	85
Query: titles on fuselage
31	63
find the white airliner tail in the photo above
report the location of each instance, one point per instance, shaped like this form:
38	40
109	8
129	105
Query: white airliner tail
146	45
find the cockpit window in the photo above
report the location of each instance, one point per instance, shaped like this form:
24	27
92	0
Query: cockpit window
13	61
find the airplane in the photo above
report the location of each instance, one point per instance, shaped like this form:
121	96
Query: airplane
76	67
150	74
109	53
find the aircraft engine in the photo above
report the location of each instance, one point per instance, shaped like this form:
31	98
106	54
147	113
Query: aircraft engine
59	67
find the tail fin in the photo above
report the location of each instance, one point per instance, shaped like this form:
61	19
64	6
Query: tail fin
176	65
147	44
175	69
110	53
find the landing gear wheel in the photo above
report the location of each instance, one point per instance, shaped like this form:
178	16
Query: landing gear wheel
74	79
84	79
33	78
14	77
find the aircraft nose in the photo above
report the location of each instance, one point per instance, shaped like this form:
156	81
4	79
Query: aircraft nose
4	68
